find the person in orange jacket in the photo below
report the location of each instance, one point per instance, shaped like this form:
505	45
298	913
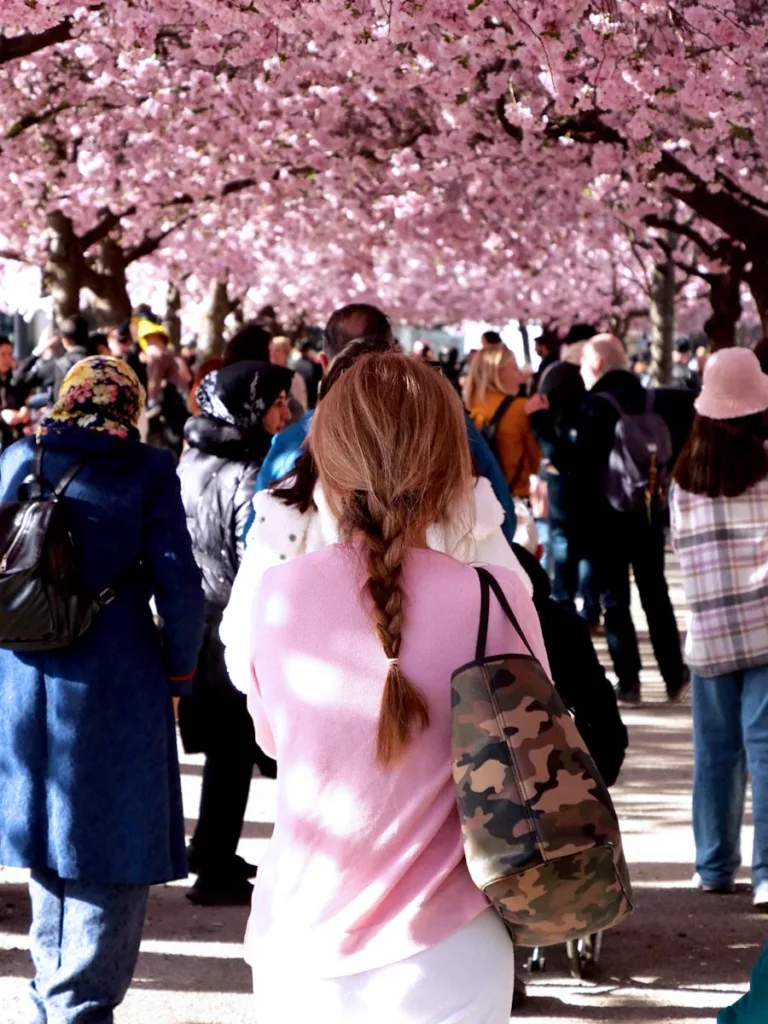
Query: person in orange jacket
490	395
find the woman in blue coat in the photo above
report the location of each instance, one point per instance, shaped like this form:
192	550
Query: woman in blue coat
90	796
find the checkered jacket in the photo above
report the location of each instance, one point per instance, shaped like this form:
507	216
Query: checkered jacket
723	548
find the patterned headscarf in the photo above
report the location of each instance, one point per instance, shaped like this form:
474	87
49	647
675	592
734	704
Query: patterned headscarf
99	393
240	394
233	401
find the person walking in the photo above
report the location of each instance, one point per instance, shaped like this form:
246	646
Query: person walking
364	910
241	407
294	518
720	530
618	428
554	413
347	324
90	799
491	397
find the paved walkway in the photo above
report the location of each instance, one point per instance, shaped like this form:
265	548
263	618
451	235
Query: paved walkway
678	959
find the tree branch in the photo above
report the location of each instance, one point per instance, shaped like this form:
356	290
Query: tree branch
31	119
15	47
108	222
151	243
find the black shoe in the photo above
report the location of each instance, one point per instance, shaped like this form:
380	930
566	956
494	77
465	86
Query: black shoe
630	696
234	893
239	868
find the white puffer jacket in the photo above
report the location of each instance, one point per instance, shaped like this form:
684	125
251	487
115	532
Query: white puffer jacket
280	532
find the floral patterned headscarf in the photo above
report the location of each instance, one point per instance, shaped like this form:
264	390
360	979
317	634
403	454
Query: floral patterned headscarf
99	393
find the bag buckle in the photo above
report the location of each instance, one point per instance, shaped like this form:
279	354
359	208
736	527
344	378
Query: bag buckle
107	596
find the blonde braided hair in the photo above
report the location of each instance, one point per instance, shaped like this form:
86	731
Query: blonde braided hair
390	445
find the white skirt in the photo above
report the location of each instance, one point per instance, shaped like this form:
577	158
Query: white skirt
466	979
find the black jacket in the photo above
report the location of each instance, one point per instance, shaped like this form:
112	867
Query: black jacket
578	676
217	485
596	429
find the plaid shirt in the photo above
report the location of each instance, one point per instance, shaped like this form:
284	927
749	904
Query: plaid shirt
723	548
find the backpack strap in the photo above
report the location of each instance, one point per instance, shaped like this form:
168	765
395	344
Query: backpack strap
650	399
614	402
34	485
488	583
498	415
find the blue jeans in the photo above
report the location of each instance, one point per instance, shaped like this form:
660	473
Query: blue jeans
85	941
730	737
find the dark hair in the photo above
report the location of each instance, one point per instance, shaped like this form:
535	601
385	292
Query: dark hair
723	458
761	351
144	312
550	340
683	346
297	487
75	329
580	332
492	337
5	341
307	346
96	339
358	320
251	343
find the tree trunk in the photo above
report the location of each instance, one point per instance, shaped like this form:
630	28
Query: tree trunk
662	322
109	285
172	318
63	270
526	343
211	339
725	296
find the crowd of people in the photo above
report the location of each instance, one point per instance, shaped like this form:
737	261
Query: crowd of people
285	570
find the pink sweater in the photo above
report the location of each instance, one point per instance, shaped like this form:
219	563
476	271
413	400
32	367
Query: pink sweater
366	866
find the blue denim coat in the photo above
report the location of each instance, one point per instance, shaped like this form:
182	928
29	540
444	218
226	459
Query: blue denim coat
89	774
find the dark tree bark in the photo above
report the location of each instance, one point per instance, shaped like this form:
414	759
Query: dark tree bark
106	278
172	315
64	266
210	341
662	321
526	343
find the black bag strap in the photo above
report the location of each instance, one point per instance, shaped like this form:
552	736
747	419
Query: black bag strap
132	573
497	416
488	583
33	486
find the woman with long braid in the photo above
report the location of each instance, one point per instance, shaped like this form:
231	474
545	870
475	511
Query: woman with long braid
363	909
295	518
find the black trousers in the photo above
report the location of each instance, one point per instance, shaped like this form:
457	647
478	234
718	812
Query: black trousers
215	721
226	784
626	542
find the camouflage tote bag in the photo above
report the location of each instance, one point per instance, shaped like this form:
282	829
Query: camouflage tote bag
541	837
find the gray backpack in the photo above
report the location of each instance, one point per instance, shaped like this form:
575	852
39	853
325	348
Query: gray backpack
637	478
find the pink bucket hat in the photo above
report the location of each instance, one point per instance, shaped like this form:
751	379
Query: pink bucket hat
734	385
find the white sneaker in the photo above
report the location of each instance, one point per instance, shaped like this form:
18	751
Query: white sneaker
720	889
760	898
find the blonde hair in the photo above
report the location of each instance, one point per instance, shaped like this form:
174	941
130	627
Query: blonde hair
390	445
485	374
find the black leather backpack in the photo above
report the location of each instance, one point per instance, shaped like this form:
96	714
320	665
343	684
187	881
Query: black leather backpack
44	605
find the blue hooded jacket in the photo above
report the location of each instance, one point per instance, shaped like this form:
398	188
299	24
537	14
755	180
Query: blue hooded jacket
286	449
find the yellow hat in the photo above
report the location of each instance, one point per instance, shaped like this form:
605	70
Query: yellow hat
147	327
